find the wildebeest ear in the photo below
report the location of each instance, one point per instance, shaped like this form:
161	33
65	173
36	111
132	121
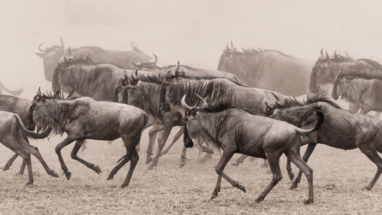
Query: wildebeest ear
39	91
40	54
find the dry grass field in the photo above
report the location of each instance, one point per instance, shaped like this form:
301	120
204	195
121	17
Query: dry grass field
338	178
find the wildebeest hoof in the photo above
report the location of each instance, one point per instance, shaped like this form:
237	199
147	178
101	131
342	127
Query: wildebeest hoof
97	169
182	165
367	188
235	163
53	173
29	183
68	174
259	199
309	201
241	187
264	166
293	186
291	176
19	173
111	176
151	167
6	167
124	185
148	159
214	195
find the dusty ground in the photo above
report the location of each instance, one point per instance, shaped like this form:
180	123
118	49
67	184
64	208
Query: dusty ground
338	179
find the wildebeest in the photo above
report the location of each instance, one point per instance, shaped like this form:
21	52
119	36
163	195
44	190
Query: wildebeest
85	118
52	54
13	92
215	90
20	107
132	93
235	130
13	136
341	129
268	69
363	94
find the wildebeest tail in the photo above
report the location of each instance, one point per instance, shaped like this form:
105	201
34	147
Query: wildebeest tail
320	121
137	138
32	134
13	92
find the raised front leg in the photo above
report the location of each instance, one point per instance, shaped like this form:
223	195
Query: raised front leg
64	143
10	162
227	155
75	157
308	152
239	160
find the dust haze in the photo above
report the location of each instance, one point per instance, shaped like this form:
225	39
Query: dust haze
194	33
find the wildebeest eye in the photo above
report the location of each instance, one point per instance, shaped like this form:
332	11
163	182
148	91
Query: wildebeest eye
193	113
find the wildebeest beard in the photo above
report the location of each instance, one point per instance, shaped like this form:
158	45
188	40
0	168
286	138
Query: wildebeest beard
188	143
125	97
162	100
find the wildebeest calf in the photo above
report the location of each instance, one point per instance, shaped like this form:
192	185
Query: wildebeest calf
236	130
12	134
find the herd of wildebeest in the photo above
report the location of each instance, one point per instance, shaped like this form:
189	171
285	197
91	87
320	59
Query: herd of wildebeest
242	107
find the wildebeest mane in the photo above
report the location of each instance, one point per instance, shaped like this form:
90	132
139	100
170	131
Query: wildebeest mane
223	107
292	102
373	63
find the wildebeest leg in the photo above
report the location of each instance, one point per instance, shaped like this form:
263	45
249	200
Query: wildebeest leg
64	143
22	168
183	157
27	158
10	162
307	154
170	119
35	152
239	160
274	164
227	155
265	164
125	159
134	160
152	137
84	146
75	157
377	114
176	137
376	159
295	158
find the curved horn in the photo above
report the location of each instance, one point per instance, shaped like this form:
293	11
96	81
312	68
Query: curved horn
227	47
39	91
156	59
62	43
205	104
39	47
133	77
277	98
322	51
177	67
184	104
133	61
125	73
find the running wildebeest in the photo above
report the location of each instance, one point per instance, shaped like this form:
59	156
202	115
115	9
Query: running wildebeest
86	118
13	92
13	135
326	69
215	90
52	54
20	107
236	130
268	69
132	92
363	94
341	129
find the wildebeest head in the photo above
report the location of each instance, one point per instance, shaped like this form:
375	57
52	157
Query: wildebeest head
234	61
324	71
120	92
146	65
50	58
191	114
341	85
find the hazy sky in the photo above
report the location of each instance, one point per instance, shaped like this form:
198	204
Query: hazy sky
194	32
